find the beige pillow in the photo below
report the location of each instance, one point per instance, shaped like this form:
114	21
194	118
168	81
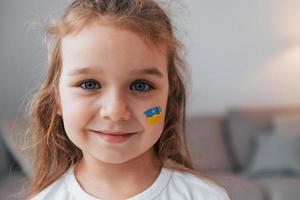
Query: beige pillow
206	145
288	124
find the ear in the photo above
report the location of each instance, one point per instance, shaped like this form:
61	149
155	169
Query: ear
58	104
58	112
58	109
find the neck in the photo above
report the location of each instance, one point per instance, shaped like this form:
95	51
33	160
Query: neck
99	178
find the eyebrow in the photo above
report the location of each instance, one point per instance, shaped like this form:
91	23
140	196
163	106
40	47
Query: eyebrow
149	71
84	70
88	70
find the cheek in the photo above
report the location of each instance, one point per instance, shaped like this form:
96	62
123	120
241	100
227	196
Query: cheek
154	128
74	112
75	116
70	102
71	121
153	120
152	113
70	109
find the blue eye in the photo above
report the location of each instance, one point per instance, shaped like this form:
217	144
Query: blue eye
141	85
89	85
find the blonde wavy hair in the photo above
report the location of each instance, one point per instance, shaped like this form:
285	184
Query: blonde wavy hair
54	152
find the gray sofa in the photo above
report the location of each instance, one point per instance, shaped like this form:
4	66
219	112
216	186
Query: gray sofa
15	163
254	154
233	149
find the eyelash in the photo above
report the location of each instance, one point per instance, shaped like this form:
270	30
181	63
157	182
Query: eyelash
139	81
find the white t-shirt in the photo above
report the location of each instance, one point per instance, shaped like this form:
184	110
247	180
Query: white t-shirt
170	185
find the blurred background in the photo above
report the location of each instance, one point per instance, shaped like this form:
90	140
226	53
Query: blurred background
243	98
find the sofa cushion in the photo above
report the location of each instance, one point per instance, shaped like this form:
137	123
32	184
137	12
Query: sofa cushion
13	186
281	187
287	124
275	154
14	135
239	187
241	128
5	160
206	144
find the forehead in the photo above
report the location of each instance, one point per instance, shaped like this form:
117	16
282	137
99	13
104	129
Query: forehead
111	48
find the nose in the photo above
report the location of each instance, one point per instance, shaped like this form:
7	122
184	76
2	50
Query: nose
114	107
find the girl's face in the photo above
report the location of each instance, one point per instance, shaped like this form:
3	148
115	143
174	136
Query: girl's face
109	78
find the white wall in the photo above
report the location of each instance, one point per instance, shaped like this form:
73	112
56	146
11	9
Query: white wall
240	53
243	54
23	51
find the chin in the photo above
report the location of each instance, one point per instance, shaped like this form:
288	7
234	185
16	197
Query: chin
116	159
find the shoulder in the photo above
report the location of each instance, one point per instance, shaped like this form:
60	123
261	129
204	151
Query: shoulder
57	190
195	187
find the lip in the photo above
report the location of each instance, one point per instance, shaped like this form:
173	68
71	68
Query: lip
113	137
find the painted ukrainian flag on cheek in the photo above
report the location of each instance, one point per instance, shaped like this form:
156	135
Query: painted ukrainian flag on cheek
153	115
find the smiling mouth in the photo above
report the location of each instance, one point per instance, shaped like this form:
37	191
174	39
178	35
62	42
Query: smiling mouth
112	133
114	137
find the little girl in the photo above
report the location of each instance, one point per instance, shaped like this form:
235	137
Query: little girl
108	120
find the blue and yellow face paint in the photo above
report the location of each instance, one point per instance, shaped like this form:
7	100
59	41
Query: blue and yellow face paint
153	115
